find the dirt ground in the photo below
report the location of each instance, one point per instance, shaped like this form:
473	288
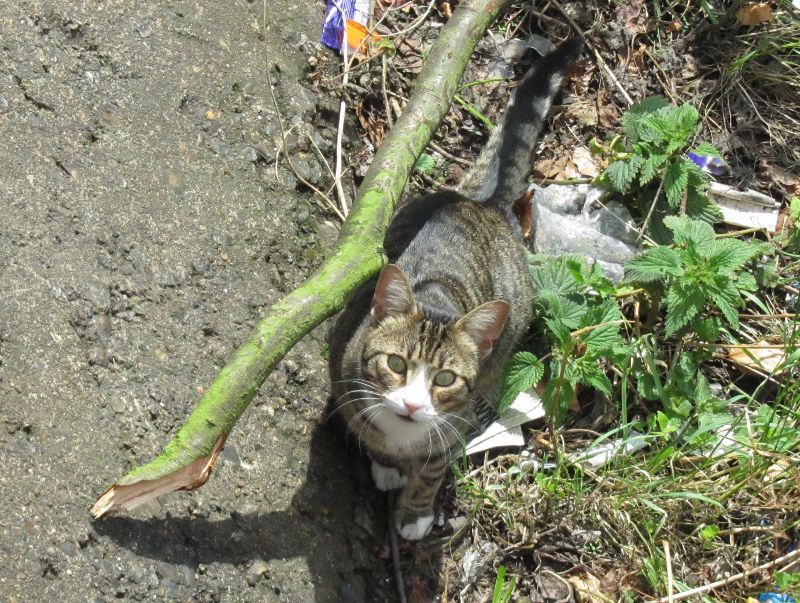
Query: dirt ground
143	234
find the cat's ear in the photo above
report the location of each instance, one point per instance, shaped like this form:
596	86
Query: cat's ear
485	324
393	295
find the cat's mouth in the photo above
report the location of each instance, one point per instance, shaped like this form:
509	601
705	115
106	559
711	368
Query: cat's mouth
406	418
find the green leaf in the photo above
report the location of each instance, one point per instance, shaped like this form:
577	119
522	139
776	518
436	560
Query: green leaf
651	167
684	302
688	232
526	370
708	422
709	532
425	164
654	264
553	275
676	179
707	149
593	376
632	119
708	329
622	173
606	336
726	297
700	207
559	330
730	254
567	309
746	282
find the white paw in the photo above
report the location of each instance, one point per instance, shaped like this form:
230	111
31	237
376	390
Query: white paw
417	530
387	478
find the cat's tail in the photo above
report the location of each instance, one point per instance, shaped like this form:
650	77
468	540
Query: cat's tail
499	176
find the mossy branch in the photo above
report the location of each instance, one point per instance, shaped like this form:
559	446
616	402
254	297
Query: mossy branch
189	457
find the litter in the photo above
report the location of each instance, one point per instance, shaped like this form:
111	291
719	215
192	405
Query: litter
749	208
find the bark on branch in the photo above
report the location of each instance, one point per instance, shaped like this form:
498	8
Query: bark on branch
189	457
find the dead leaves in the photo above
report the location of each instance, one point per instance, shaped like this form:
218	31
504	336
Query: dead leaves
755	360
754	13
579	164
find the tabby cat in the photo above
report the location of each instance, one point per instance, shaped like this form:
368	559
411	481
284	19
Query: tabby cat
418	353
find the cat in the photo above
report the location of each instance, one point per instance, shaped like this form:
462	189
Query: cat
418	355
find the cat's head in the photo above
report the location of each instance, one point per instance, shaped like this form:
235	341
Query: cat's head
423	365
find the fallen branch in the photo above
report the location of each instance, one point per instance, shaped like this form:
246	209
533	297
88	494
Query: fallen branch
188	458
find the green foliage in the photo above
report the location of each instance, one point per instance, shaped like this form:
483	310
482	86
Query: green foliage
658	136
791	239
700	272
582	321
425	164
526	370
503	590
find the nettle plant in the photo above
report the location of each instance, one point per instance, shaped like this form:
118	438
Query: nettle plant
581	323
653	168
694	286
698	276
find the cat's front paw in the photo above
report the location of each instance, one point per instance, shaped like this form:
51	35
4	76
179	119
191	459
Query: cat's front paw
418	529
387	478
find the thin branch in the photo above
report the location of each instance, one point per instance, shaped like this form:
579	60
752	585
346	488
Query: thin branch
786	559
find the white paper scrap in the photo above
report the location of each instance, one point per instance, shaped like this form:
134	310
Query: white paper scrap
749	208
602	454
506	431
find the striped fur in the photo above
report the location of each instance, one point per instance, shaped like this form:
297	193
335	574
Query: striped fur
454	303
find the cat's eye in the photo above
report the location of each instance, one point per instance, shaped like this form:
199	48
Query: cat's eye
444	378
397	363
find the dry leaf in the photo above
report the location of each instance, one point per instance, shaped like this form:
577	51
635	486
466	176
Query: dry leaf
755	13
584	162
758	360
584	111
587	589
607	111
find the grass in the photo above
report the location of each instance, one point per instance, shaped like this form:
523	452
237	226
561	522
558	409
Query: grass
761	71
720	507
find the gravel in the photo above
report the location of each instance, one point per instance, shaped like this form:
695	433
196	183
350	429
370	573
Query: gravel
143	235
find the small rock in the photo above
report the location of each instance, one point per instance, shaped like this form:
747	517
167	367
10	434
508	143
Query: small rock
250	154
308	168
70	549
231	455
144	30
98	295
97	356
3	103
258	568
219	147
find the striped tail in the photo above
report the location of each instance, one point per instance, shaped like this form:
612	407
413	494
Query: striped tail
499	177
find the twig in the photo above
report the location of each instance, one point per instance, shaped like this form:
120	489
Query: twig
342	110
670	582
398	571
600	60
387	107
652	208
328	203
787	559
449	156
322	157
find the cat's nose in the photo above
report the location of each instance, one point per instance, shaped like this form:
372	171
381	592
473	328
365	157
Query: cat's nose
411	406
